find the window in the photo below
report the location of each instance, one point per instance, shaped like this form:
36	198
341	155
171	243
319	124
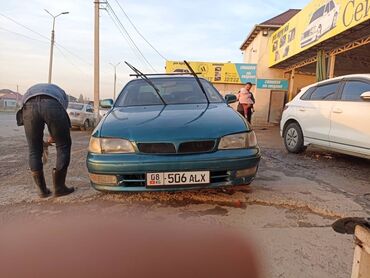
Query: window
89	109
307	94
75	106
325	92
332	5
179	90
317	14
353	89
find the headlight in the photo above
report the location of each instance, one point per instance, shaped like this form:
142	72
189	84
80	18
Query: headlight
94	145
110	145
238	141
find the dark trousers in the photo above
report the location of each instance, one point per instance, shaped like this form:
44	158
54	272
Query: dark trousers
37	112
249	114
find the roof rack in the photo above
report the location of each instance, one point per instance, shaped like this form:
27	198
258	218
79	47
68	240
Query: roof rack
170	73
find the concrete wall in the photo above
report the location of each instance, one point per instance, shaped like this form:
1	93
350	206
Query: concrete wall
257	52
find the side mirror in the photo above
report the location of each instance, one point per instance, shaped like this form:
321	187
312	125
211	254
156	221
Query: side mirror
366	96
106	103
230	98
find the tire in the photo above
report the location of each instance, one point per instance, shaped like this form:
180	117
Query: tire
86	125
293	138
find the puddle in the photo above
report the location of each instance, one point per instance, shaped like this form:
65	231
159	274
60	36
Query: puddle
217	210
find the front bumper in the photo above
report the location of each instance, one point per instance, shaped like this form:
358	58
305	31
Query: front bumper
130	169
76	121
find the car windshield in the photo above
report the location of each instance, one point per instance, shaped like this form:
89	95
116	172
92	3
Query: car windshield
179	90
75	106
317	14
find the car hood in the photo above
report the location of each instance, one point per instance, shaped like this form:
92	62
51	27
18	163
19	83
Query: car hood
172	122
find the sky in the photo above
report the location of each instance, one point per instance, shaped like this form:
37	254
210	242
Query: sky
203	30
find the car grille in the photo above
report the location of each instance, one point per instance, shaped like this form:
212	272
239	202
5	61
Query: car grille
184	147
138	180
132	180
156	147
196	146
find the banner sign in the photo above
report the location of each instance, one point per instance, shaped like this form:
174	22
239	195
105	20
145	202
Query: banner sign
272	84
317	22
218	72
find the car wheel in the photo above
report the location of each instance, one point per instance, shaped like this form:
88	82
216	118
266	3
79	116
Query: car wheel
293	138
86	125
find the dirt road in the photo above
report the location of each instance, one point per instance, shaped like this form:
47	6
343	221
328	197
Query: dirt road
287	210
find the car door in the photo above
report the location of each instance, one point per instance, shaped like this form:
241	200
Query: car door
90	113
350	119
314	113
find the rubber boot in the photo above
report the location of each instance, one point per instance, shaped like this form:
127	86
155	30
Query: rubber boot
59	179
39	179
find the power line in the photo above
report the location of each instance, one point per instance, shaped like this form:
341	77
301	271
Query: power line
21	35
136	29
127	35
44	37
127	40
24	26
124	29
69	61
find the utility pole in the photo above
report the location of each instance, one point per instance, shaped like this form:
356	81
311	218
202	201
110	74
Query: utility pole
96	59
16	97
52	43
115	78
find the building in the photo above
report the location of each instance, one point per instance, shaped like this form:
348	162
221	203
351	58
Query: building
327	38
9	100
271	87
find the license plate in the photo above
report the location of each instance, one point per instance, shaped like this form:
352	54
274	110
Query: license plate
177	178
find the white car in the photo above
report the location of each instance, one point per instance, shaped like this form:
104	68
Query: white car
81	115
322	20
333	114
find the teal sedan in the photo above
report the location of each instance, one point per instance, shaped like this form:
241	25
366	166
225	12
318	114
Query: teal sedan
168	133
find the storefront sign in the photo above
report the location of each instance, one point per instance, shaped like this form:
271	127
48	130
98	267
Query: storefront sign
218	72
317	22
272	84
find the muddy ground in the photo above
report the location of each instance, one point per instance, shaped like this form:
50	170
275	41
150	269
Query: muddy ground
287	211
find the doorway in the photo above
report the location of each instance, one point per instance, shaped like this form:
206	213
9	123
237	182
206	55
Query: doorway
277	101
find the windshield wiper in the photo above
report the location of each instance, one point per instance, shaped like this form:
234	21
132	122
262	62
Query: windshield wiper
197	79
147	80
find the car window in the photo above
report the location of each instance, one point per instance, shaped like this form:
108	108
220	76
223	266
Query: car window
76	106
211	91
172	90
332	6
89	109
317	14
325	92
307	94
327	8
352	90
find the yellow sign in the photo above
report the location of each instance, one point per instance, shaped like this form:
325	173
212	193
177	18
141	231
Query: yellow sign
217	72
318	21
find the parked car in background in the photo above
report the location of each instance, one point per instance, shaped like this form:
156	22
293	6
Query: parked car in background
333	114
166	133
103	111
81	115
322	21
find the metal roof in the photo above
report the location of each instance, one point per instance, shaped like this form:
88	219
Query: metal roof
282	18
